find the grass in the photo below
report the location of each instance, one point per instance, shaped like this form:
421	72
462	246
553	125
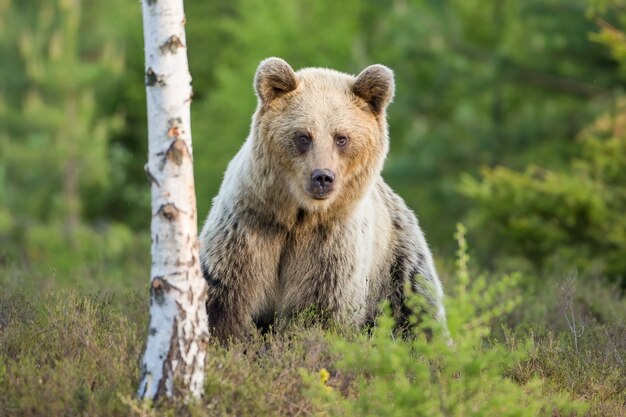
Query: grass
68	352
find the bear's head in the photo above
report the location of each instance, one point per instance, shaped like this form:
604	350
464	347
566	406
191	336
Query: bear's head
322	133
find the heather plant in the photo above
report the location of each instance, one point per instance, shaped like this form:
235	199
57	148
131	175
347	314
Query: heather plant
68	353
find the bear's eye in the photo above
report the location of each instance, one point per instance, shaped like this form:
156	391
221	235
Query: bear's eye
341	141
302	142
303	139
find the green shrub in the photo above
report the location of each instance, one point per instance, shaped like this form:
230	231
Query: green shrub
397	377
571	214
571	217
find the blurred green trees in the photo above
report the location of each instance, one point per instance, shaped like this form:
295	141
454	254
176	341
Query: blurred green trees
506	111
568	215
56	137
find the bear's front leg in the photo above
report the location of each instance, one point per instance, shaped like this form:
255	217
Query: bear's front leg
239	257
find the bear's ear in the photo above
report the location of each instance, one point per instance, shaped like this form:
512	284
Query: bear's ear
375	85
273	78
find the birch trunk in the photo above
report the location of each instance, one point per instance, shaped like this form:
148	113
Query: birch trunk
178	329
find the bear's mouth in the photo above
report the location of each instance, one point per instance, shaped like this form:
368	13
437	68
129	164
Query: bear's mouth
320	193
321	196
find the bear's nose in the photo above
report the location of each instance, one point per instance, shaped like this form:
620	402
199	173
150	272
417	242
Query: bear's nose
322	178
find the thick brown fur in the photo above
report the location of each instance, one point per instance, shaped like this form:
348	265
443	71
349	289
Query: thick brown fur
270	249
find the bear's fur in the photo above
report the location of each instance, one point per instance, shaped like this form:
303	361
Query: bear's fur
280	238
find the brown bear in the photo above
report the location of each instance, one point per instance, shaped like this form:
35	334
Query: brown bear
303	217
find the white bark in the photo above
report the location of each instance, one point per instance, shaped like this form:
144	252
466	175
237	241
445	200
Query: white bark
178	329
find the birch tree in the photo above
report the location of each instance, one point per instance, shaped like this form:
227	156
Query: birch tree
178	329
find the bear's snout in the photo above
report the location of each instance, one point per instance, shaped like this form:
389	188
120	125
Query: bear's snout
322	182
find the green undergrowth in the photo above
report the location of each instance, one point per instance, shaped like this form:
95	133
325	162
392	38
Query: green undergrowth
70	353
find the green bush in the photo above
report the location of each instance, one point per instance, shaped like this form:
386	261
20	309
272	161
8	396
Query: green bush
397	377
571	217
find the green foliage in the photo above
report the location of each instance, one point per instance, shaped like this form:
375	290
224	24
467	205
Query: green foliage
57	136
574	216
46	245
396	377
570	214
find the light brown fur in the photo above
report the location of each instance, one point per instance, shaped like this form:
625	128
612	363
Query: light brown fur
268	248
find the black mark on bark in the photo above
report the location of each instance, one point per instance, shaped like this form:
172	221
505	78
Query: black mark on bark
168	372
159	286
151	177
153	79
